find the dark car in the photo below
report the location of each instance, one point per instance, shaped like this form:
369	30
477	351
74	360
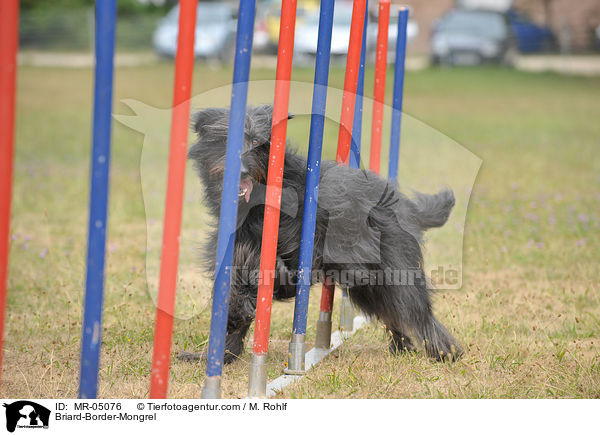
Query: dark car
472	37
530	37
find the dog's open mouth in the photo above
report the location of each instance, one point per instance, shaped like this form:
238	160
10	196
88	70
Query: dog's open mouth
245	189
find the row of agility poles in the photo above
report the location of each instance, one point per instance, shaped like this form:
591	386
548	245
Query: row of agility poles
354	69
9	40
296	363
173	209
104	70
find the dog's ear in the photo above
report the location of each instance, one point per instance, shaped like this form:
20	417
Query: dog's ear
261	120
266	110
208	119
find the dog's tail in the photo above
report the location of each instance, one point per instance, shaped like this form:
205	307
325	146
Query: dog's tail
433	210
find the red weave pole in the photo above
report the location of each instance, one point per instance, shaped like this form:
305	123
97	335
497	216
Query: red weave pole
327	296
351	80
180	119
275	176
9	41
348	102
379	86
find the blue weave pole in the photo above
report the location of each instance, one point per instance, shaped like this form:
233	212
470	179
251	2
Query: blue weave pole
94	282
315	145
397	97
354	160
229	199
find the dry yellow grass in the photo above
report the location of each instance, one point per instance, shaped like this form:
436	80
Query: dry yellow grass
528	312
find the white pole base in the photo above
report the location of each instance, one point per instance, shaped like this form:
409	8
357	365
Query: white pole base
257	383
323	338
346	313
212	388
296	353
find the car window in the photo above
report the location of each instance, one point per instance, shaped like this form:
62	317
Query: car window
212	14
342	16
475	23
204	14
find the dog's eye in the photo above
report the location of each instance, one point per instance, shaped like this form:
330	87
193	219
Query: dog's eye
255	142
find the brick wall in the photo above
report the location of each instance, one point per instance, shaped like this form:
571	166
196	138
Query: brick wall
573	21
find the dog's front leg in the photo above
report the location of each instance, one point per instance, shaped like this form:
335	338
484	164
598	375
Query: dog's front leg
242	309
242	304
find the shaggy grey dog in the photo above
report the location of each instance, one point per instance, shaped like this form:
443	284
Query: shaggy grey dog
368	236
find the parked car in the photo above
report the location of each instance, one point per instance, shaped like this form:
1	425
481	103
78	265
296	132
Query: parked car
530	37
215	31
307	32
305	9
472	37
412	31
261	41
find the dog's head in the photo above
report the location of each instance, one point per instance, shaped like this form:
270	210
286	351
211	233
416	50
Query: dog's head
209	151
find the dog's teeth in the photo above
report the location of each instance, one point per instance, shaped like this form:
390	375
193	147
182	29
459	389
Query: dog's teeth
243	192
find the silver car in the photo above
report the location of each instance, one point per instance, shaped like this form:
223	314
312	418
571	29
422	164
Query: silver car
412	31
472	37
215	31
307	32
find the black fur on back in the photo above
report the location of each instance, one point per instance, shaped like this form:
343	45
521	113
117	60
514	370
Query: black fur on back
365	227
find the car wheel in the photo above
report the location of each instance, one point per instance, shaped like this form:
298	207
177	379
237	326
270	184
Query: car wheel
465	58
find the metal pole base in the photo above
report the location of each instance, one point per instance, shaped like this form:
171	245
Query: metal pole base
257	383
296	355
323	338
212	388
346	314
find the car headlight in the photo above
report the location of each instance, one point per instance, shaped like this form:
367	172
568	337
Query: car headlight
490	49
439	46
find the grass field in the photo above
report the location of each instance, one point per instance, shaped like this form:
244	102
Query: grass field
528	312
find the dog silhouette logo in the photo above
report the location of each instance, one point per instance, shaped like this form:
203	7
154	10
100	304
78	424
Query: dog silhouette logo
26	414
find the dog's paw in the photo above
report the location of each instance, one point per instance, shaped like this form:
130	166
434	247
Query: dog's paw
191	356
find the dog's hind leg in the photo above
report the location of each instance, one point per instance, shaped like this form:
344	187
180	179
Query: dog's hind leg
404	309
400	342
436	339
372	301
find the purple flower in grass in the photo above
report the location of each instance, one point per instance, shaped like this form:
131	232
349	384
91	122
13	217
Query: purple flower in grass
531	216
581	242
584	218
